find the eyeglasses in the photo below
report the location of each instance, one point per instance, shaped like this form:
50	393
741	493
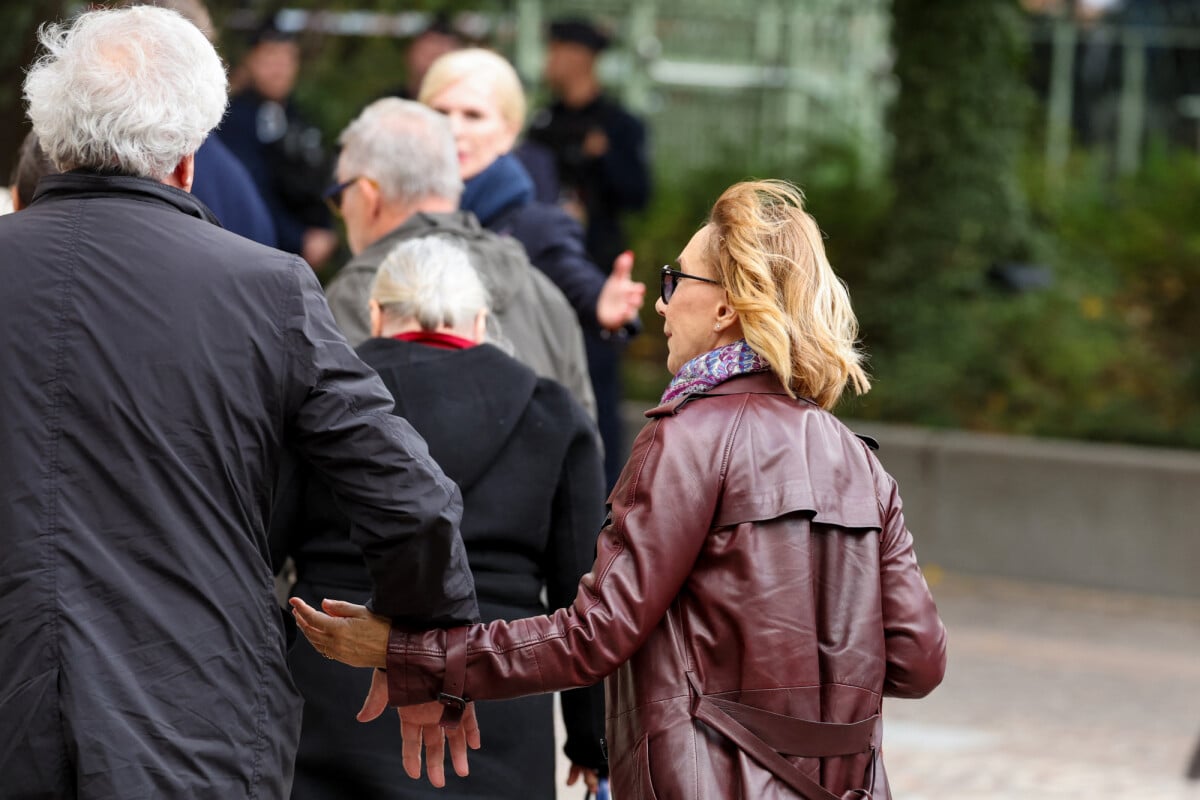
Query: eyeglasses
333	195
670	279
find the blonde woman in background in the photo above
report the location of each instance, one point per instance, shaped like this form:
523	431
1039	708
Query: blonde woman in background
481	95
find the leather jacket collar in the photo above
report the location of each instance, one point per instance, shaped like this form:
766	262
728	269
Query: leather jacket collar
751	383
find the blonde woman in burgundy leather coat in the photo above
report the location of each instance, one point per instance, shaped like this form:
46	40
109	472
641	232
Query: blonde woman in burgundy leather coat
755	594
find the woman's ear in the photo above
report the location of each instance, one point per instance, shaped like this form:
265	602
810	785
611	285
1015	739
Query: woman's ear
479	329
511	134
376	318
727	316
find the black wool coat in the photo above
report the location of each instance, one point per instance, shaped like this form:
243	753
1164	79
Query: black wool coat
155	367
525	455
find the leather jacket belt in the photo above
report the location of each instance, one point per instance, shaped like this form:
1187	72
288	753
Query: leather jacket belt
764	736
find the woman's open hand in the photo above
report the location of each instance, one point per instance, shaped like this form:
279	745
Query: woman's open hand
346	632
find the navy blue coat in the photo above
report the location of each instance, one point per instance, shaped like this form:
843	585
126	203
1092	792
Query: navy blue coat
502	198
155	367
224	185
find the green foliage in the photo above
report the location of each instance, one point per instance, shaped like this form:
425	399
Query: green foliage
1107	352
1138	240
959	126
18	37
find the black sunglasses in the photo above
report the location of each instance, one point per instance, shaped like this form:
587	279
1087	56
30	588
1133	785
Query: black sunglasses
670	278
333	195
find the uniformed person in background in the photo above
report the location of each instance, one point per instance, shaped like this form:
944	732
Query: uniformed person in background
599	148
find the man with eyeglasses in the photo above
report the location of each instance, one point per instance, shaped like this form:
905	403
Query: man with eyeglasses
398	179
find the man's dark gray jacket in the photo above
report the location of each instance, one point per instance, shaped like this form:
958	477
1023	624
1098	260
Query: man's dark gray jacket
532	315
154	366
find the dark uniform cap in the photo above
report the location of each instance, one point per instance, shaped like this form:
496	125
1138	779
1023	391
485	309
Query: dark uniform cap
269	31
579	31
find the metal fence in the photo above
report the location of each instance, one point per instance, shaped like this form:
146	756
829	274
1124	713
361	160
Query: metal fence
756	81
1115	87
761	80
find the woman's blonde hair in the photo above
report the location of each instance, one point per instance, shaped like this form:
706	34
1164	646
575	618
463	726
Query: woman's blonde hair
454	66
794	310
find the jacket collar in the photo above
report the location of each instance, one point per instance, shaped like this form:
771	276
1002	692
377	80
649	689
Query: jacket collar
419	224
80	183
750	383
503	185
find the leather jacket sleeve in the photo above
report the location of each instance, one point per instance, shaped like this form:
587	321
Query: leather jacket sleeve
404	511
661	511
914	635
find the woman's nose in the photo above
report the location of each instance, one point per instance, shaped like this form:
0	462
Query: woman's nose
660	307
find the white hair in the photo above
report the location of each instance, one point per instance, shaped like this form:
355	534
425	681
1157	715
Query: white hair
430	280
131	90
407	148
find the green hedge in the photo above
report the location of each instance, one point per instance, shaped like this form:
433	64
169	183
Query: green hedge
1107	352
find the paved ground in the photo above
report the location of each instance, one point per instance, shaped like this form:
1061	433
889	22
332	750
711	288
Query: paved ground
1051	693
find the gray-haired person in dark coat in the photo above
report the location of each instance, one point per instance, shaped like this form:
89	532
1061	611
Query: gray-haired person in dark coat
527	460
154	368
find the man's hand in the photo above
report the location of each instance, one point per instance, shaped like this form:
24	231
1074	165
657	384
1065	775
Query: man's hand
346	632
595	143
419	726
621	296
591	778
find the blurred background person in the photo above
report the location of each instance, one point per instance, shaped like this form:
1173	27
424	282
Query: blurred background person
32	165
397	180
480	93
278	147
599	148
221	182
525	455
437	39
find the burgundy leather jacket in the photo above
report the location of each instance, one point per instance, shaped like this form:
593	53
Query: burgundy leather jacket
754	596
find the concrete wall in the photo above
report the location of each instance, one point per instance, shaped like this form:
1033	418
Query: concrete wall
1110	516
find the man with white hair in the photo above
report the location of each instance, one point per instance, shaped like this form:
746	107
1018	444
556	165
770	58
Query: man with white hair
398	180
155	367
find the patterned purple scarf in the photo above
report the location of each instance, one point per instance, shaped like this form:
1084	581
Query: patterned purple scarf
716	366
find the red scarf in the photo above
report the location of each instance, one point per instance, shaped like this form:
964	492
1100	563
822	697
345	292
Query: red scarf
442	341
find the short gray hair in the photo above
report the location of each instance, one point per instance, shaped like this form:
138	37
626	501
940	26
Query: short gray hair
430	280
406	148
130	90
